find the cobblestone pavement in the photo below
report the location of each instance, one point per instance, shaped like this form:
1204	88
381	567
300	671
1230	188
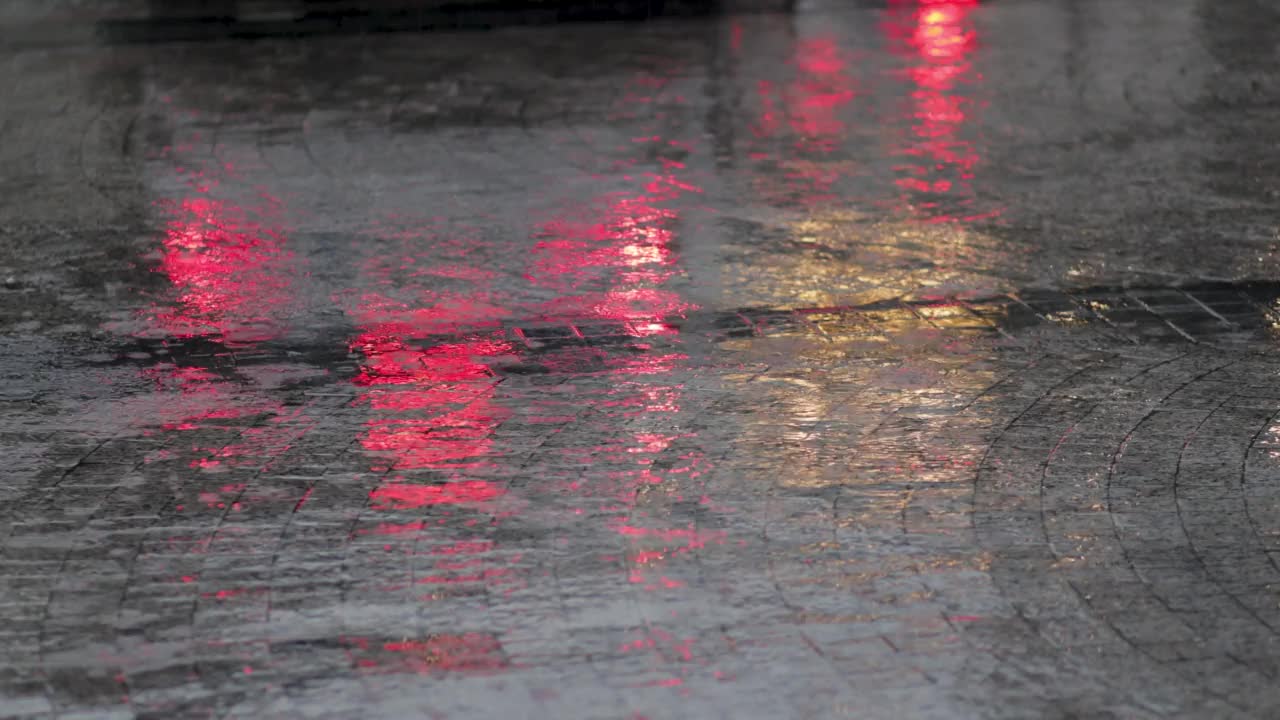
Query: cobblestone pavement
878	360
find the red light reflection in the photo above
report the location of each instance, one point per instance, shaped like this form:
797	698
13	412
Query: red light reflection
401	496
232	274
613	268
218	425
434	332
433	406
429	329
232	282
812	106
936	37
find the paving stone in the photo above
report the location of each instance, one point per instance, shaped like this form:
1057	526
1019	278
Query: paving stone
869	360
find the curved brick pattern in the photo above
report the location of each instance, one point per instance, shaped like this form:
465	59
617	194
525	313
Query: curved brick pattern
1139	521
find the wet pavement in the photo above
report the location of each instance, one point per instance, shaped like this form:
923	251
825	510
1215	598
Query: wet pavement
876	360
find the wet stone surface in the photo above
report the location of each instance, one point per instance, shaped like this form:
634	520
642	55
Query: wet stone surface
876	360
